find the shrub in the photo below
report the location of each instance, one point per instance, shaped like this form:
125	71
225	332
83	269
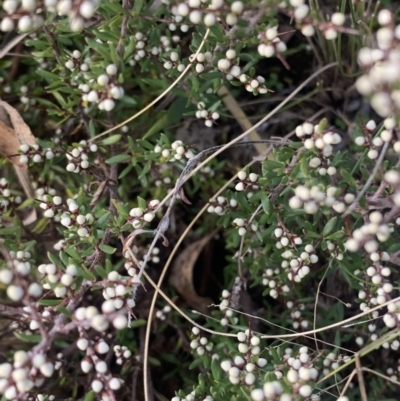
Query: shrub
120	141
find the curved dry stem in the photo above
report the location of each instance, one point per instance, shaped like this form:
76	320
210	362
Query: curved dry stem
190	174
369	181
338	324
316	304
263	120
159	97
164	271
285	328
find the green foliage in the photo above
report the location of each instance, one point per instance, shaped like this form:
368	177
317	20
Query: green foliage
108	112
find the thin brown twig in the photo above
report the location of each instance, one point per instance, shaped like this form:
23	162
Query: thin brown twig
360	376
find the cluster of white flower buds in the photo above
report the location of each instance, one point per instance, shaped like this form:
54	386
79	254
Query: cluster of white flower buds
245	370
67	214
6	199
276	285
163	179
271	44
209	117
26	372
138	216
41	397
368	141
162	313
34	153
122	353
192	397
232	71
141	51
332	362
140	254
173	61
24	99
43	191
106	89
394	373
301	374
334	250
90	317
21	267
221	205
200	344
375	290
206	172
118	292
311	199
301	370
177	151
243	225
30	15
210	15
318	137
58	280
200	62
249	343
307	24
382	76
298	320
223	306
296	262
247	182
78	157
38	319
370	234
21	15
103	381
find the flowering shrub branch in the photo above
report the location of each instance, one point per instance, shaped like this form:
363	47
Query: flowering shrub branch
118	147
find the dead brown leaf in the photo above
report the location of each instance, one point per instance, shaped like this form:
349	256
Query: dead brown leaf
182	275
183	196
22	130
13	133
12	137
9	144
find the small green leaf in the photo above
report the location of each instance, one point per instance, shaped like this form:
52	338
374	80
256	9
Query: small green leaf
49	302
11	230
112	139
153	361
28	338
49	76
118	159
100	271
72	252
90	396
54	259
64	258
107	249
216	369
125	171
92	128
329	226
87	274
195	363
62	309
138	5
145	170
137	323
161	122
142	203
266	203
101	220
